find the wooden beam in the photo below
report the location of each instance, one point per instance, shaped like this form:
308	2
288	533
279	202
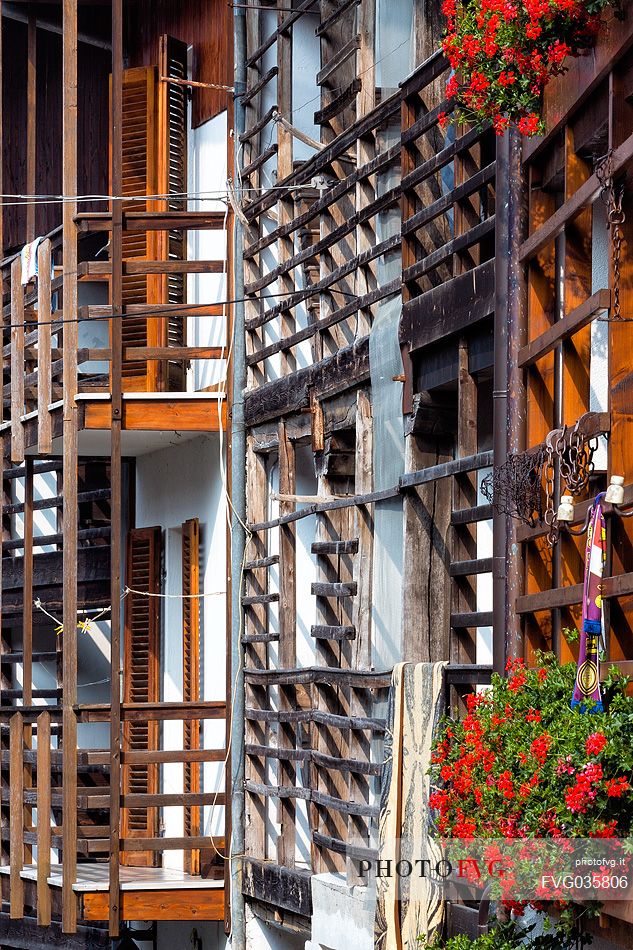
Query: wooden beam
195	904
31	123
44	355
27	934
285	888
70	437
574	205
16	816
574	321
27	614
287	643
449	308
17	362
43	819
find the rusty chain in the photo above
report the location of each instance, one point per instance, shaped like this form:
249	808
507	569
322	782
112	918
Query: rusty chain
615	221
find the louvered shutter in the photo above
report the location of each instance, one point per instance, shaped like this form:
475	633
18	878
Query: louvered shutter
172	180
191	675
140	177
141	683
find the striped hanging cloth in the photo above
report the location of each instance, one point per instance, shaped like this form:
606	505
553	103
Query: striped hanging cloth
587	685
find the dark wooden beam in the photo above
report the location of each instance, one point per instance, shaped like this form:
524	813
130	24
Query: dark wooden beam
451	307
276	885
26	935
350	366
92	565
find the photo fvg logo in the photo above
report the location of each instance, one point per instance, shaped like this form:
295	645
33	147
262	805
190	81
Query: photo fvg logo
444	869
527	869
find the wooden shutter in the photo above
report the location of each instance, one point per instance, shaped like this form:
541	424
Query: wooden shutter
191	676
141	683
140	177
155	162
172	180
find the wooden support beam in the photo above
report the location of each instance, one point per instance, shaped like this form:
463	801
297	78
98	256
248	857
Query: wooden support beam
16	815
116	289
43	819
44	355
70	447
17	362
287	644
31	123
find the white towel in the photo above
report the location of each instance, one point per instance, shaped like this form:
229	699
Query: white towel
28	257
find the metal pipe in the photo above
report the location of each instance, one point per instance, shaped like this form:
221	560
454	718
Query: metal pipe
509	390
238	492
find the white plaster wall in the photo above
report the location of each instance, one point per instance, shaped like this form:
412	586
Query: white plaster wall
599	364
395	42
173	485
207	173
484	581
263	936
306	62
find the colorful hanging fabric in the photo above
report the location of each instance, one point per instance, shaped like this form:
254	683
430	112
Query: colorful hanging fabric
587	686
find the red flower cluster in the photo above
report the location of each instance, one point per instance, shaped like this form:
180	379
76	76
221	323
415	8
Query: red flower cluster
595	743
504	53
520	763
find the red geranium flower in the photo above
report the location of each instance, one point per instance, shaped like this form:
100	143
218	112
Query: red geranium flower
595	743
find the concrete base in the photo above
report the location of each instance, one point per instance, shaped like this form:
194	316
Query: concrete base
342	916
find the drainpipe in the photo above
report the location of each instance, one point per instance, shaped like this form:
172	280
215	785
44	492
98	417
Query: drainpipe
238	492
509	390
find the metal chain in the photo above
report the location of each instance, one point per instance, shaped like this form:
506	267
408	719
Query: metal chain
615	220
575	467
549	472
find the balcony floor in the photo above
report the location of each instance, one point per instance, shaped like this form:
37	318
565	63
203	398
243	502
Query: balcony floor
146	893
151	421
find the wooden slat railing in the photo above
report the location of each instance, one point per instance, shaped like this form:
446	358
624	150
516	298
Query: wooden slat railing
30	734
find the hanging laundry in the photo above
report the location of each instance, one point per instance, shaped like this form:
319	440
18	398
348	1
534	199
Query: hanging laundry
587	686
408	908
28	257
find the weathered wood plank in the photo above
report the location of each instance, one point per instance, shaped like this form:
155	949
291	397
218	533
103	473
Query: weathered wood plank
43	818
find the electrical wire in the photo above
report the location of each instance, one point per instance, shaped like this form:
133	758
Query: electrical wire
161	312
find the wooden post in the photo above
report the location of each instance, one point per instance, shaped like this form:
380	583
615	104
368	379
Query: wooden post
44	382
256	624
116	546
31	124
70	436
17	362
286	737
16	820
43	818
360	699
1	147
465	496
27	605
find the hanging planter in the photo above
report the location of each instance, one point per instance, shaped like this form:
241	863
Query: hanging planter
504	52
524	768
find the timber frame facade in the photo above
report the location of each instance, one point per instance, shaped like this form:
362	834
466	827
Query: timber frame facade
486	266
412	304
113	670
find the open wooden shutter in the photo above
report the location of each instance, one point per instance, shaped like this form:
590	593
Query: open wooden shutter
141	684
140	177
191	676
155	163
172	180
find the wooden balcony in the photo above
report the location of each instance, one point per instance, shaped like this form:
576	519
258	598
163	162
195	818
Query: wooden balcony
42	354
80	815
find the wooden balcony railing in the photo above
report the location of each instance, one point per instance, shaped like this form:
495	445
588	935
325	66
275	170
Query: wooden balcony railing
152	329
82	806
